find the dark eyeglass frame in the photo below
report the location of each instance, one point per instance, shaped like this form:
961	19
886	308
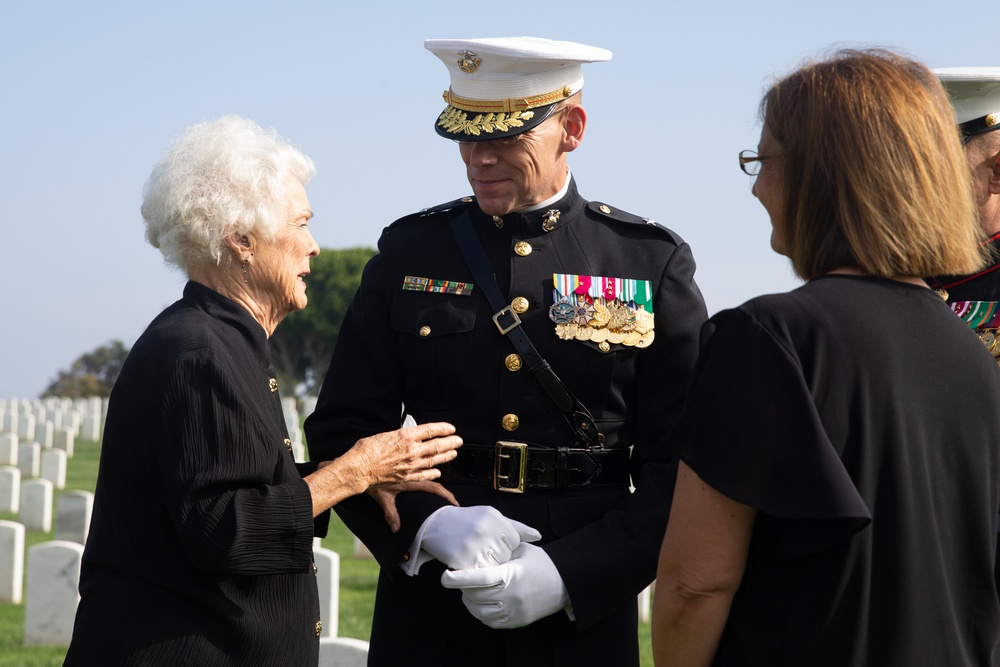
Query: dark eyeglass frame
750	162
507	142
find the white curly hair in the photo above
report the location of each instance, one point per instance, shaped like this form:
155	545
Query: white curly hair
218	178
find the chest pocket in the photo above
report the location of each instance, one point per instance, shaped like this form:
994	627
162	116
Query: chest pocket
435	334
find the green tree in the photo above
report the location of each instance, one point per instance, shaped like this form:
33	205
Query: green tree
302	345
92	374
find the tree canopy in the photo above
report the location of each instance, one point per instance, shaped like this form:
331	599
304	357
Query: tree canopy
92	374
302	345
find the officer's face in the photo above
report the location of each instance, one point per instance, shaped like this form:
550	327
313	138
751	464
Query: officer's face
510	178
768	187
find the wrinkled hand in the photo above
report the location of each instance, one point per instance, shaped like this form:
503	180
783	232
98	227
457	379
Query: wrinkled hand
517	593
471	537
406	455
385	496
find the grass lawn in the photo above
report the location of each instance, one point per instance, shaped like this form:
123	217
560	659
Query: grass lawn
357	581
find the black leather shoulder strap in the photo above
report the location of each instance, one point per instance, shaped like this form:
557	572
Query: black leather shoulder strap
575	414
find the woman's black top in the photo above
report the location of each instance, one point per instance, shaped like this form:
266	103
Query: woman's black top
200	547
861	418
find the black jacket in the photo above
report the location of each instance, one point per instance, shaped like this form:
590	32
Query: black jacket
440	357
200	546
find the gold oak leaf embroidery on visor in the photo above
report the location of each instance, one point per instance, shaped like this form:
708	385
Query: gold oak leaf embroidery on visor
455	120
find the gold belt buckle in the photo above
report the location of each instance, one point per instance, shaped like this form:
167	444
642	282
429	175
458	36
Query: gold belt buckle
515	456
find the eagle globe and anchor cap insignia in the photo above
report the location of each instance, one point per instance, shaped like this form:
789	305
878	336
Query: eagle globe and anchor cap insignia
468	61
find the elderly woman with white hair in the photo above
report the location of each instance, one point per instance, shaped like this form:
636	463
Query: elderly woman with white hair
200	548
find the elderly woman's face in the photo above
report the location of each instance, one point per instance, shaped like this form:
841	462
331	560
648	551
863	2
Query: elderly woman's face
280	267
768	187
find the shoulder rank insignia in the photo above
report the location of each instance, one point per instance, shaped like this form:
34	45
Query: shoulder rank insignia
456	287
983	317
602	310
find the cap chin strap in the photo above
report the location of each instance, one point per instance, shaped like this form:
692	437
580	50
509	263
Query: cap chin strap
987	123
508	105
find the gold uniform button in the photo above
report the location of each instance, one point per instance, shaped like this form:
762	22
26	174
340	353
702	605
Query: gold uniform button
520	304
522	248
288	445
425	331
272	384
466	200
512	362
604	209
319	627
315	569
510	422
406	557
605	346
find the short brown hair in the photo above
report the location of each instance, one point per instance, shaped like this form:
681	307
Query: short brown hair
875	178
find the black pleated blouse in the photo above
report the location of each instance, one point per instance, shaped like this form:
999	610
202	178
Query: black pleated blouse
861	418
200	548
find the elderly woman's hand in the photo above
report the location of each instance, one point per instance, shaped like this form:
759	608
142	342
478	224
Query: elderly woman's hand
406	455
385	496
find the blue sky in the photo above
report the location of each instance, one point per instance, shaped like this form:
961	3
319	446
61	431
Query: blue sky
93	92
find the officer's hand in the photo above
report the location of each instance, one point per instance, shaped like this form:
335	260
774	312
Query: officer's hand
471	537
519	592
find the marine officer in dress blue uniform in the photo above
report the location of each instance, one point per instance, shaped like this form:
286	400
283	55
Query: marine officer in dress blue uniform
975	98
558	335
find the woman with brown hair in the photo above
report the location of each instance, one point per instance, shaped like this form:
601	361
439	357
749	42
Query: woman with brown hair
842	512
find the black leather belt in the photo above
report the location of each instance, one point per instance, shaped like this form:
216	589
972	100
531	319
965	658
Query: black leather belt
515	467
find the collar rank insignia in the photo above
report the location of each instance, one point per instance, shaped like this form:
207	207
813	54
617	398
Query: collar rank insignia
603	310
456	287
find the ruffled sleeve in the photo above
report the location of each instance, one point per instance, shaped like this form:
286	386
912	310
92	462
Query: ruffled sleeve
751	430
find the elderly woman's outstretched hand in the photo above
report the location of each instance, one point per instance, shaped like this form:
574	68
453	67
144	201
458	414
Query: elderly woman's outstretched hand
401	460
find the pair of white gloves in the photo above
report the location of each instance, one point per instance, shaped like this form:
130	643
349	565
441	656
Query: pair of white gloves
506	582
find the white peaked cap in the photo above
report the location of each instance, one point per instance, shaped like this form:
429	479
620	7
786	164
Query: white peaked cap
975	97
510	76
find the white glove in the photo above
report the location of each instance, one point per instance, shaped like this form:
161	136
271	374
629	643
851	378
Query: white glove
469	537
517	593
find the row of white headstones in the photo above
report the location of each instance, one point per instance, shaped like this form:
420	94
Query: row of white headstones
37	439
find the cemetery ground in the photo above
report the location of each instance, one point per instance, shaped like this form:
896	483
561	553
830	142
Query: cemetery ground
357	580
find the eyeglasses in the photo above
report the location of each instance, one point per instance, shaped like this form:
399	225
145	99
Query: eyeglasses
750	162
506	142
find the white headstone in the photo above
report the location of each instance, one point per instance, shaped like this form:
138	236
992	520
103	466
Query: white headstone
36	505
328	581
73	511
308	405
360	550
29	459
8	449
71	420
90	428
53	579
645	604
342	652
10	489
64	440
26	426
11	561
54	467
56	415
45	433
9	424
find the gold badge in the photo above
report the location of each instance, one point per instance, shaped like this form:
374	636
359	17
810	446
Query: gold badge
468	61
272	384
